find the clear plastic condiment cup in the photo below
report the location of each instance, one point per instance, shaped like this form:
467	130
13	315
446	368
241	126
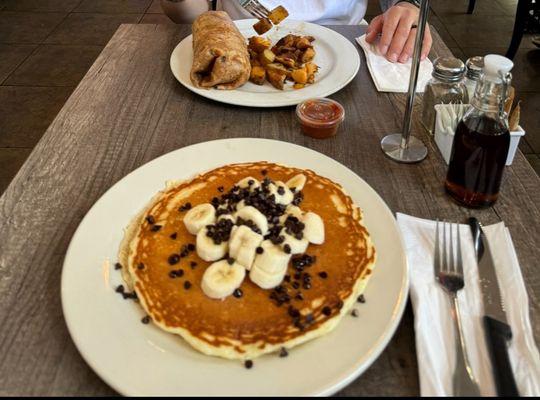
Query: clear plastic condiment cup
320	117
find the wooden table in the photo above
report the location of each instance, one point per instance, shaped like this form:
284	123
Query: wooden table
129	110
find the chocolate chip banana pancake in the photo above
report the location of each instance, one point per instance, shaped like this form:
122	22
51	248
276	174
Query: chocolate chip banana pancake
248	258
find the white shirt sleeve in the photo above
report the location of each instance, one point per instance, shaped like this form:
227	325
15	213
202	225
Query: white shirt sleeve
330	12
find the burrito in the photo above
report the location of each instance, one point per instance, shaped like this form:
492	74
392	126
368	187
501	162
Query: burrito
220	54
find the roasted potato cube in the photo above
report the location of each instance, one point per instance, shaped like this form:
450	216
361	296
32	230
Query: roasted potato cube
255	62
312	68
258	75
277	67
276	78
300	75
258	44
287	61
263	26
278	14
303	43
267	57
299	86
309	55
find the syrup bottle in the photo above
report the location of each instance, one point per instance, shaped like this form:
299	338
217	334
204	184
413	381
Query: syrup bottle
482	139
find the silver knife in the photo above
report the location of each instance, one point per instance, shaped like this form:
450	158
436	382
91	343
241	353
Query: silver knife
498	332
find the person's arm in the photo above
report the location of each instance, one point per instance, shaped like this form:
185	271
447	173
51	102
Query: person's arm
397	29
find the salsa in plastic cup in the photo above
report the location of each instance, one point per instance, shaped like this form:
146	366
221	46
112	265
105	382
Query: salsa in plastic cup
320	118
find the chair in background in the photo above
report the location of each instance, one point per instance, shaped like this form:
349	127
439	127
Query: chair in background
523	14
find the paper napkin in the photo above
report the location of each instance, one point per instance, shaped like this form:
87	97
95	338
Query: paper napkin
393	77
433	324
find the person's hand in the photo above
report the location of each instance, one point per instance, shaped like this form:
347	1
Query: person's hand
398	33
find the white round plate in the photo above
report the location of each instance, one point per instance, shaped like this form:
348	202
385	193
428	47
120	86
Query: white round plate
336	56
142	360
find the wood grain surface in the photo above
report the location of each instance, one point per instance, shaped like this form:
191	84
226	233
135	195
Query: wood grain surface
128	110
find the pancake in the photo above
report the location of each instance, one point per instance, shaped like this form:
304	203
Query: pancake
260	321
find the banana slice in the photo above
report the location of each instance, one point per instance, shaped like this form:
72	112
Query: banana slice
282	193
241	204
221	279
250	213
297	182
230	217
314	228
245	183
207	249
264	280
198	217
243	245
291	210
298	246
272	260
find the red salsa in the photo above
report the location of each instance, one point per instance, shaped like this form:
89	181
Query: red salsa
320	118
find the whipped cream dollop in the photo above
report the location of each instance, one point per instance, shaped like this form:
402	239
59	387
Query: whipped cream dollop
255	228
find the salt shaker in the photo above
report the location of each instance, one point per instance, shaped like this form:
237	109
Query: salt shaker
446	86
474	69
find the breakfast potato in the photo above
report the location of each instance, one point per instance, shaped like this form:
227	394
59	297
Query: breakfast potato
267	57
263	26
258	44
303	43
278	14
276	78
300	75
308	55
258	75
287	61
312	68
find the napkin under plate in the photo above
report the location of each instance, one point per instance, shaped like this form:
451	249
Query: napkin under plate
434	328
393	77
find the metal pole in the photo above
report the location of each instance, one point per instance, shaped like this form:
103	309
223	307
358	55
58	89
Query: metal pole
406	148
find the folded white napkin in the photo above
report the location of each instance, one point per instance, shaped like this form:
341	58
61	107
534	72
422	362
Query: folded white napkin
393	77
433	324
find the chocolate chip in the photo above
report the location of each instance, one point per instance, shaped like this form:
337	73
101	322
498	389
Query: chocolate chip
327	311
146	320
299	296
323	275
193	264
150	220
296	285
238	293
156	228
248	364
120	289
281	190
230	261
287	249
306	285
191	247
354	313
140	266
172	274
174	259
174	236
251	182
361	299
283	352
339	305
264	172
260	250
117	266
220	189
187	285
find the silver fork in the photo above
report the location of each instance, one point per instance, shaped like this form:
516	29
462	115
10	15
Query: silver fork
449	273
255	8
